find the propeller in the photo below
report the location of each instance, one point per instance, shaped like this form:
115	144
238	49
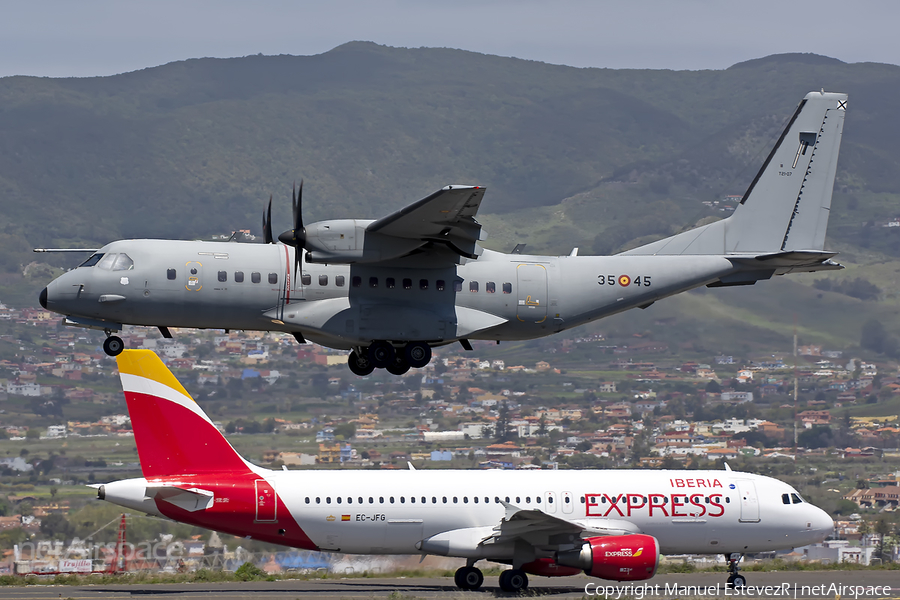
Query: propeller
296	237
267	224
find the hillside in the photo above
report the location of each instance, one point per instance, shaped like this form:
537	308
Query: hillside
596	158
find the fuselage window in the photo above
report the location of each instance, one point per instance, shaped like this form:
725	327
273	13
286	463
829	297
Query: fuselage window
123	263
455	499
273	278
170	274
423	284
487	500
305	279
373	282
371	500
339	280
349	500
507	499
255	277
223	276
550	499
390	283
356	281
568	499
785	498
727	500
239	276
407	284
507	288
402	499
381	499
473	286
95	258
434	499
338	499
445	499
318	500
360	499
412	499
490	287
392	499
307	499
518	499
327	499
475	499
424	500
323	279
440	285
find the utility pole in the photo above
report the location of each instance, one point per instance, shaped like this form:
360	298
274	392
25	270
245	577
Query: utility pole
795	387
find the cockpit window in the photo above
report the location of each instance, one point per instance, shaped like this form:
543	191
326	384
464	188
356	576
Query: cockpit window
123	263
107	262
785	498
796	499
93	260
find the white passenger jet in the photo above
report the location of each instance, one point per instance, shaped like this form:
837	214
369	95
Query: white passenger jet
611	524
389	290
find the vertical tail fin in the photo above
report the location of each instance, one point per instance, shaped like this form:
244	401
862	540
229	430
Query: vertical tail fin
172	433
787	205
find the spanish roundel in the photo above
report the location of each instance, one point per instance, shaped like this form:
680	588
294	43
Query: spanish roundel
624	280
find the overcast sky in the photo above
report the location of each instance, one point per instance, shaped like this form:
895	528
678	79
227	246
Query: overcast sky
60	38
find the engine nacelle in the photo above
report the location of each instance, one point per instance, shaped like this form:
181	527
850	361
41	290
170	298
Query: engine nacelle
346	241
616	557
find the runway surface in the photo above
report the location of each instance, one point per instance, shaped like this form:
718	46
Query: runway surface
705	585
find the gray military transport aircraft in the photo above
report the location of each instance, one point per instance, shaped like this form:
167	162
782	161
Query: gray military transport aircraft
390	289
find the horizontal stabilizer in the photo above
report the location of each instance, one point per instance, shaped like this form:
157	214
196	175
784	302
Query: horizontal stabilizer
189	499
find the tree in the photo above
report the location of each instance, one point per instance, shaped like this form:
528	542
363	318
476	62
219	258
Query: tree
32	434
503	431
57	526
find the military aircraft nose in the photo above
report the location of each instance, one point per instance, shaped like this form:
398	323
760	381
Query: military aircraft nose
43	298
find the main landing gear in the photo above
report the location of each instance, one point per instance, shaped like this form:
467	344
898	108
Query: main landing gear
735	579
468	578
383	355
513	580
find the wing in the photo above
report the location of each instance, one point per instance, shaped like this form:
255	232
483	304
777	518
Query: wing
538	528
445	217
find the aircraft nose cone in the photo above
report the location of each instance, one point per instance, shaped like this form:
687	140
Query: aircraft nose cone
43	298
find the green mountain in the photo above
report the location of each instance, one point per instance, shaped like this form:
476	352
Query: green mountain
596	158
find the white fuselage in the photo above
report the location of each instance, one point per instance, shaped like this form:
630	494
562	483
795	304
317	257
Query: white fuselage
451	511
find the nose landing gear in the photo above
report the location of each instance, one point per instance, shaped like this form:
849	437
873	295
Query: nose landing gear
735	579
113	345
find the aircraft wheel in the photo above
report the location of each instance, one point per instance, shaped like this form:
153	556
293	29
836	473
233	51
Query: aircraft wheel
468	578
381	354
360	365
513	580
418	354
737	580
398	367
113	345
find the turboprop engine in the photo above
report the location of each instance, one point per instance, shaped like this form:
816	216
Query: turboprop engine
616	557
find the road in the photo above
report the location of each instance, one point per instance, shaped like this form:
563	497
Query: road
783	585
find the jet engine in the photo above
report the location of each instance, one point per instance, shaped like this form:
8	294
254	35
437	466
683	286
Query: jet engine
616	557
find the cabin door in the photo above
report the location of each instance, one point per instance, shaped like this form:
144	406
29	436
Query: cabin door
532	293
